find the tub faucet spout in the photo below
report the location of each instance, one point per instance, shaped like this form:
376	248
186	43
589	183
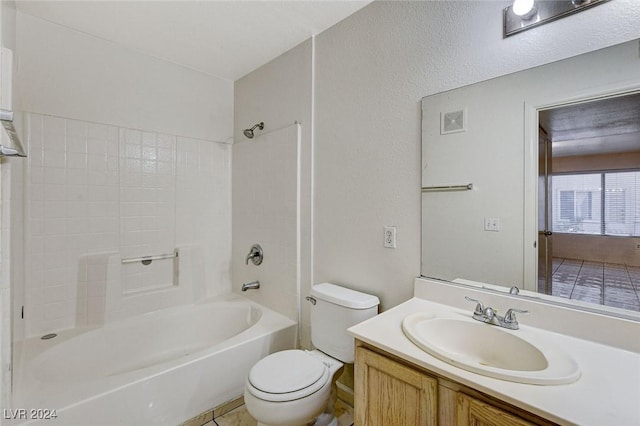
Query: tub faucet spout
251	286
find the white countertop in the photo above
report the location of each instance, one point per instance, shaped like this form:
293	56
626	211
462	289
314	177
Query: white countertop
607	393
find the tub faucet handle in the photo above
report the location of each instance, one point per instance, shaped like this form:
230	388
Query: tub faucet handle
255	255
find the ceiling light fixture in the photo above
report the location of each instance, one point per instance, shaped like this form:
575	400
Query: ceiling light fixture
526	14
523	7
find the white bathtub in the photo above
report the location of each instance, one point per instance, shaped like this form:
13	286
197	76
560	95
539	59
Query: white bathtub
160	368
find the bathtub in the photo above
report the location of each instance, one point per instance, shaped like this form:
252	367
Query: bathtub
160	368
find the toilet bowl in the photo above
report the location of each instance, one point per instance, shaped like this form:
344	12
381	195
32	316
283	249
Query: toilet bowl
295	387
291	388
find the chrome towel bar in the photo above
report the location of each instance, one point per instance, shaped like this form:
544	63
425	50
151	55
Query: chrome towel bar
147	259
467	187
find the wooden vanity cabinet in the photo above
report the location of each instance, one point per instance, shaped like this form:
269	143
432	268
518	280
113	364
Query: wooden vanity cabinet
473	412
389	393
392	392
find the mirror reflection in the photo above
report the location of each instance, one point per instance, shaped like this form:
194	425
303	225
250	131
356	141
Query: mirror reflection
553	157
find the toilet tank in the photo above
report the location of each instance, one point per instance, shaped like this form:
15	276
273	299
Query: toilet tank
336	309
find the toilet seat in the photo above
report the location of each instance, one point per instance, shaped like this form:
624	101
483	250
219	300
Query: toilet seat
287	376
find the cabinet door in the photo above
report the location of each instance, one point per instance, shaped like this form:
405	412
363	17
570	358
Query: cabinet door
388	393
472	412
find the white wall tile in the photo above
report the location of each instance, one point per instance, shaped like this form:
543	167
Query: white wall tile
51	226
97	131
55	158
76	145
74	128
54	294
76	160
96	178
100	189
199	220
53	127
36	156
97	162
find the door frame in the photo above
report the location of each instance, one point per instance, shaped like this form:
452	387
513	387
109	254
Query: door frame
545	239
531	124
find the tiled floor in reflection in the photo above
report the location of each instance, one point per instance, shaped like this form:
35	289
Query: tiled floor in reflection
607	284
240	417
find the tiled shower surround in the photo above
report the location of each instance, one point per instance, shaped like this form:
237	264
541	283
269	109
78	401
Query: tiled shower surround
95	191
147	207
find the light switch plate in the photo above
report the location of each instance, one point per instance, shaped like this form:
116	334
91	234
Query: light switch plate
492	224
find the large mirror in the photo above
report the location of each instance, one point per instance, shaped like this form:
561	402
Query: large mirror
533	180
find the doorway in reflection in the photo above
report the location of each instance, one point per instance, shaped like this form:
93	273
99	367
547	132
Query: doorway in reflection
589	201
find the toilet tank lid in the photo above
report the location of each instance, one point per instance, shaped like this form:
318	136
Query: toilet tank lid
343	296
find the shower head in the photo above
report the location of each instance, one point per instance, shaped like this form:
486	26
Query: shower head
249	132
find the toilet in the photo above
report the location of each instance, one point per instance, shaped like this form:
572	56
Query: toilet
297	387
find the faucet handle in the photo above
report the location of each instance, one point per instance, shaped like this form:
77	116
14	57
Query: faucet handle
479	307
255	255
510	316
489	312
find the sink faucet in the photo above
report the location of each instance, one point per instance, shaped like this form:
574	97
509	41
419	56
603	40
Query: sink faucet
489	315
251	286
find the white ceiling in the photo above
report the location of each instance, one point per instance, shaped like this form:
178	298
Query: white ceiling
227	39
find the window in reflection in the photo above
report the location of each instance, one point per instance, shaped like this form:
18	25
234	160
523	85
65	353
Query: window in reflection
580	206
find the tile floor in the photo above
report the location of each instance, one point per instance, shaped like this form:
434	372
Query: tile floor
240	417
607	284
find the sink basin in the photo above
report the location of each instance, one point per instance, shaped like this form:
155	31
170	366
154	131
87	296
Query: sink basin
515	356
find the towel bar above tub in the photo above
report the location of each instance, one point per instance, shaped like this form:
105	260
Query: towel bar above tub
467	187
147	259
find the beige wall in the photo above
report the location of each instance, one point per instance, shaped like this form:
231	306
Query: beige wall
597	248
94	80
372	69
265	199
368	74
278	94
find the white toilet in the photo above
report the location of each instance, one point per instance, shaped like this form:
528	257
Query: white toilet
293	388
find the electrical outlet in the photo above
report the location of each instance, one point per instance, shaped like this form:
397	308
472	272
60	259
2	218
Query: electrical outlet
492	224
390	236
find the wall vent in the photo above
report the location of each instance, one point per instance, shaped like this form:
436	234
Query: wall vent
453	122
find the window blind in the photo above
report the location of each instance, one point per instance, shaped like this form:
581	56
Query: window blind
606	203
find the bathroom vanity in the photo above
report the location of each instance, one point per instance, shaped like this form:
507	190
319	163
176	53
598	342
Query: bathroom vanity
399	382
390	391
